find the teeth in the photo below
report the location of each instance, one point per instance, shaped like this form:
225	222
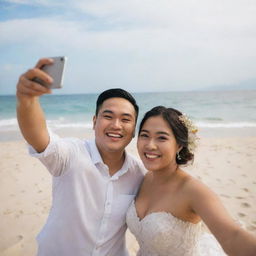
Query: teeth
114	135
151	156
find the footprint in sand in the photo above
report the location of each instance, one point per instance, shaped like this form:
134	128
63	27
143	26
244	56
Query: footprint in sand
239	197
245	205
246	189
18	214
6	244
240	214
223	195
7	212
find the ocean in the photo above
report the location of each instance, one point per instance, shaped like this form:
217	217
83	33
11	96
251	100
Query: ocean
210	110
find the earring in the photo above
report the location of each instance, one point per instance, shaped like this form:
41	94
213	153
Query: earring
178	156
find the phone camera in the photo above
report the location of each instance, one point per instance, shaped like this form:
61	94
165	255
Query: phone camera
61	59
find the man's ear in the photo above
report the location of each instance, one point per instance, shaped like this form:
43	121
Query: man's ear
94	121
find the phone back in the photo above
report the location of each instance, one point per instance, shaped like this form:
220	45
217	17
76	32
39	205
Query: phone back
56	71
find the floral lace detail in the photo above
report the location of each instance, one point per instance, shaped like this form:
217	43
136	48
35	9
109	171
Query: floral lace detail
162	234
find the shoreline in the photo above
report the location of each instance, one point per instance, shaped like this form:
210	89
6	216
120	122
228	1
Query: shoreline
15	135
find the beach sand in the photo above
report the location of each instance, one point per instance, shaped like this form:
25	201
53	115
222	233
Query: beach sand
224	163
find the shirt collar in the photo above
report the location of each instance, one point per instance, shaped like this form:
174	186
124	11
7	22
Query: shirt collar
94	152
123	169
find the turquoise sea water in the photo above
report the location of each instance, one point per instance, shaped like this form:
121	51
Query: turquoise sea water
220	109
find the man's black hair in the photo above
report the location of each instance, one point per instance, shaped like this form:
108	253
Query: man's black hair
116	93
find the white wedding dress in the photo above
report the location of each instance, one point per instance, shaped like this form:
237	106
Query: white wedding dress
162	234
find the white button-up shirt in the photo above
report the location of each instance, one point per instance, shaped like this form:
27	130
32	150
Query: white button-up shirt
88	206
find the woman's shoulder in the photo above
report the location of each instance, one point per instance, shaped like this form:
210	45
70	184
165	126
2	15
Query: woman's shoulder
198	193
191	186
185	179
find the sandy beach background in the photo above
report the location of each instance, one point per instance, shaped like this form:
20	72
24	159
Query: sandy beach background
225	161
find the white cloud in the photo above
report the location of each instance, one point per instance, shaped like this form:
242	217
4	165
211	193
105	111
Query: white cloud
172	12
149	42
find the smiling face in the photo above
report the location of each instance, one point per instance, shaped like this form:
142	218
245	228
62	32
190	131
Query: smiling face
114	125
157	145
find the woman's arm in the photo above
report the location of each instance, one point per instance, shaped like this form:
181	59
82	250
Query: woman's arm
234	240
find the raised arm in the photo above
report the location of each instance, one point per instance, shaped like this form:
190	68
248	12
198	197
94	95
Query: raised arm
234	240
29	112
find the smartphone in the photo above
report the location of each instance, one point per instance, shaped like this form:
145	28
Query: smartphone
54	70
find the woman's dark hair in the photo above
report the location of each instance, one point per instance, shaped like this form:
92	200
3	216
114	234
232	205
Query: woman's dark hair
180	131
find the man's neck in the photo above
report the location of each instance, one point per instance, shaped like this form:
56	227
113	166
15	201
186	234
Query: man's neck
114	161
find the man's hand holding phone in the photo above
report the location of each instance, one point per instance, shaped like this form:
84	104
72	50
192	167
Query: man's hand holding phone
46	75
32	84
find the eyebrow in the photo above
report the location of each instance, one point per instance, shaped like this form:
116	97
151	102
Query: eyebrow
160	132
111	112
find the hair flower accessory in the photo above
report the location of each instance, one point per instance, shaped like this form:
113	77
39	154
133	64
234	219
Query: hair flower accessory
192	130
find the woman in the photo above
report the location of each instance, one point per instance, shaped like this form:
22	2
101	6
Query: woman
166	215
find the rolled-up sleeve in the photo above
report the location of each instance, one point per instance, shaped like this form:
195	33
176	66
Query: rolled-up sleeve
56	155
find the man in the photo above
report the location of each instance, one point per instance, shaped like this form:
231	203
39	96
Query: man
93	181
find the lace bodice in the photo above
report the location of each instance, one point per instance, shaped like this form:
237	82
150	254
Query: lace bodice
162	234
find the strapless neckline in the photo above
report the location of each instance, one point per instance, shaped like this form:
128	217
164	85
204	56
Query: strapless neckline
168	214
162	234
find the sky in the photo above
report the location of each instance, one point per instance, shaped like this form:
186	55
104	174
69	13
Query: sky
138	45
